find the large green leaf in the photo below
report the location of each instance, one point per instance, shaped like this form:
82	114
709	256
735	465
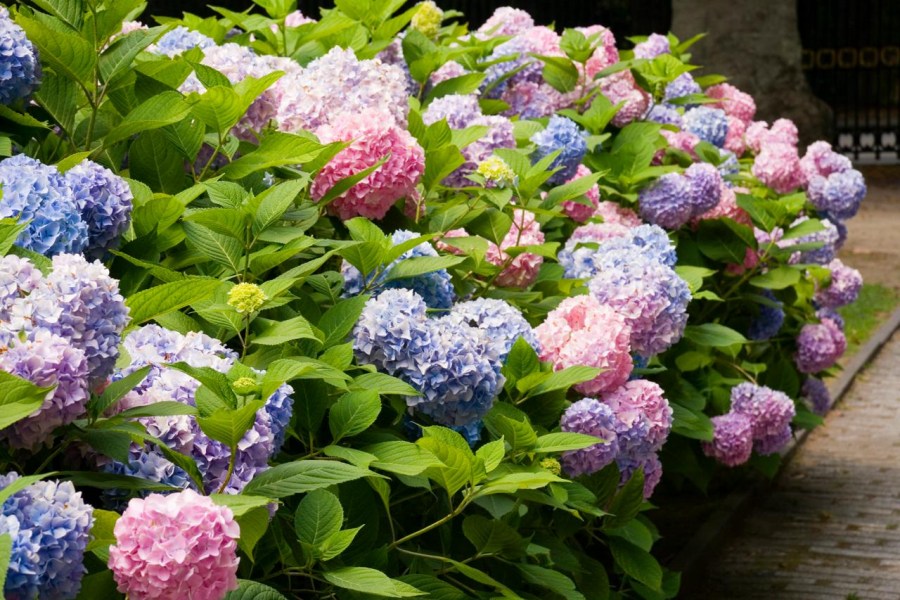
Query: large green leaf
148	304
275	150
253	590
353	413
371	581
157	111
713	334
319	516
303	476
18	398
66	51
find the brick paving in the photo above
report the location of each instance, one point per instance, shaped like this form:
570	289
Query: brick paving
830	529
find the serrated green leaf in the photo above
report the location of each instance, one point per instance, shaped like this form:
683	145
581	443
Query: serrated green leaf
19	398
303	476
370	581
158	111
318	517
353	413
148	304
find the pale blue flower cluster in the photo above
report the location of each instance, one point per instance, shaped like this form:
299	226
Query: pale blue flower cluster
105	202
561	134
839	194
708	124
435	287
179	40
20	69
503	323
50	525
683	85
582	259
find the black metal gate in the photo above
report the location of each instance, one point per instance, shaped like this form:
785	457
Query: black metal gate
851	56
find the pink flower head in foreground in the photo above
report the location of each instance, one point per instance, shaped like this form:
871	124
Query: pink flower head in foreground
372	136
523	269
778	166
644	416
611	212
606	53
733	101
581	331
782	131
621	87
175	547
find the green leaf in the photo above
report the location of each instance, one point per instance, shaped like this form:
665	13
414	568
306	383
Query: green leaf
383	384
563	442
274	202
148	304
693	275
439	163
273	333
627	502
303	476
520	435
562	380
713	334
551	580
275	150
493	225
229	426
6	543
19	398
68	53
521	361
353	413
154	160
9	232
252	590
434	587
370	581
102	536
464	84
636	562
221	249
70	11
158	111
337	543
60	97
492	537
240	504
718	241
318	517
402	458
559	72
492	454
778	278
513	482
339	320
344	184
576	45
413	267
121	54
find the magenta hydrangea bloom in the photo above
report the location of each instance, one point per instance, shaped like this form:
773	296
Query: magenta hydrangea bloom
590	417
733	101
821	161
732	442
648	463
46	360
581	331
844	287
782	131
819	346
650	296
372	136
338	86
777	165
579	211
523	269
816	395
174	547
769	411
653	46
621	87
643	416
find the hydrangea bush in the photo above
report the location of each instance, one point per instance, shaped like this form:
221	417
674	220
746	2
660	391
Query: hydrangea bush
375	303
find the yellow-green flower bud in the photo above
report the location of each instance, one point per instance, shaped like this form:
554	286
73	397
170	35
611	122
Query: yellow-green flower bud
495	170
552	465
245	386
428	19
246	297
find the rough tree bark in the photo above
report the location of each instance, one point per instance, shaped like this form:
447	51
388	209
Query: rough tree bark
756	43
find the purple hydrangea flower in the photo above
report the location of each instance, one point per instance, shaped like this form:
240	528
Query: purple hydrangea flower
651	296
668	202
643	416
179	40
564	135
458	110
683	85
732	442
839	194
648	463
815	393
843	288
105	201
435	287
665	115
774	442
39	194
20	69
823	255
591	417
706	187
50	525
145	463
46	360
708	124
819	346
769	411
502	322
769	321
506	20
653	46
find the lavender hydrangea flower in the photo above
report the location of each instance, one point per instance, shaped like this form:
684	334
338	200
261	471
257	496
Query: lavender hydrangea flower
643	416
435	287
816	395
20	69
681	86
732	442
823	255
590	417
769	411
846	282
774	442
668	202
769	321
651	296
46	360
506	20
665	114
50	525
18	277
391	330
708	124
653	46
180	40
649	464
706	187
839	194
502	322
105	201
819	346
39	194
582	261
564	135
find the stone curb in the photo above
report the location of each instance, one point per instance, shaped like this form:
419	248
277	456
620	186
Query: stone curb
711	535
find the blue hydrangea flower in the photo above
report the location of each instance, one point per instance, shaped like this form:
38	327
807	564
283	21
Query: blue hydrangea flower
665	114
502	322
50	525
815	393
105	201
20	69
840	194
564	135
280	408
435	287
708	124
828	235
683	85
590	417
769	321
706	187
39	193
149	464
391	330
668	202
181	39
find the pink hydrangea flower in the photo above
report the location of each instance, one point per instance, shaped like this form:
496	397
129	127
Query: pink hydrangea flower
621	87
581	331
732	442
759	134
734	139
175	547
373	135
821	161
448	70
606	53
678	140
523	269
733	101
641	409
576	210
506	20
777	165
614	213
